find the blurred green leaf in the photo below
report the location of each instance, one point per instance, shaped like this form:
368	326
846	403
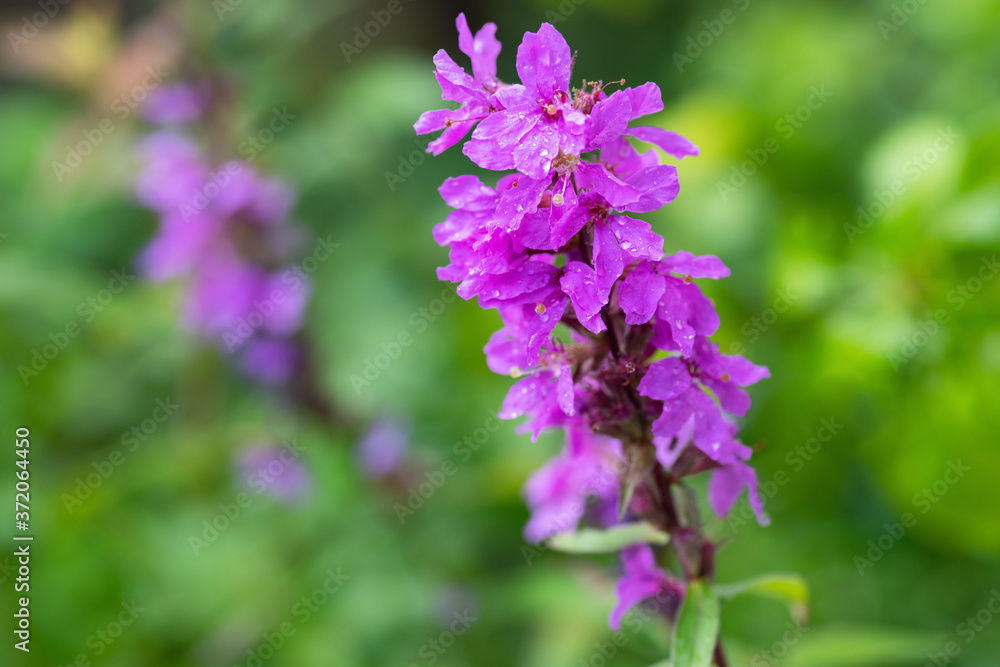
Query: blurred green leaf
594	541
861	647
789	588
697	627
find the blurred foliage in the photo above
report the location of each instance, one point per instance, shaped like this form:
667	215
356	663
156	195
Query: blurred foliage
852	344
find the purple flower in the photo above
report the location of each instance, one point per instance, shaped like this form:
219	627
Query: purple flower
642	580
558	493
174	103
173	169
534	120
471	92
383	446
271	361
589	301
680	384
222	231
277	470
726	485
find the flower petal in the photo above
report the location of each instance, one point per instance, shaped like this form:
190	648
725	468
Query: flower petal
659	186
543	61
482	50
646	99
670	142
696	266
608	120
617	192
640	293
579	282
607	257
665	379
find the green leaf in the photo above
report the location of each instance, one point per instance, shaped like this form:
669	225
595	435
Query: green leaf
862	647
697	627
789	588
593	541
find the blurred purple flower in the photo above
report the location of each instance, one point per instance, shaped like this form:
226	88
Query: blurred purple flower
643	580
277	470
222	230
383	446
270	361
174	103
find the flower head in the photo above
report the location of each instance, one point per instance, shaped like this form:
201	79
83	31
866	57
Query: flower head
471	92
607	336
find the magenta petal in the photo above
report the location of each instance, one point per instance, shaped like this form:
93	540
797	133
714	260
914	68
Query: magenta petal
519	201
564	387
636	238
725	486
534	230
696	266
482	50
640	293
451	136
733	400
579	282
676	412
659	187
543	61
624	160
513	98
521	397
665	379
671	142
456	85
607	257
281	304
618	193
646	99
432	121
675	310
710	429
495	138
465	43
570	220
744	372
533	155
704	319
642	580
467	192
608	120
517	285
504	353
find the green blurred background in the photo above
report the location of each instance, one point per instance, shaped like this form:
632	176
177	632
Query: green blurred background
831	108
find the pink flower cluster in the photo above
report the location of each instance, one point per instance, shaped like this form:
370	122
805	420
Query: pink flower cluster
609	336
223	229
